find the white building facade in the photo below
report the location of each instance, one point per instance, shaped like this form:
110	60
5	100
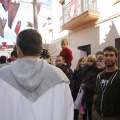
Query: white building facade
89	25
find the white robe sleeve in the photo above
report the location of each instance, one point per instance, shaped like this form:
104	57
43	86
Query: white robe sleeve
55	104
66	110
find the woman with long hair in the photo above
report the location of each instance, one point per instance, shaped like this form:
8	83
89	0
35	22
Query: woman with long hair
77	77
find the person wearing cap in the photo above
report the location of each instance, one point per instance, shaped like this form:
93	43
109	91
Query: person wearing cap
100	63
66	52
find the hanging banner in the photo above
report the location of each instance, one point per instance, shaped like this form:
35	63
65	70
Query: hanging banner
5	4
1	1
38	7
72	8
2	26
12	11
17	28
4	45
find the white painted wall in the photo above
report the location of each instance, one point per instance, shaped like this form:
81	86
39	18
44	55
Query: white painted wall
67	1
103	33
99	36
56	14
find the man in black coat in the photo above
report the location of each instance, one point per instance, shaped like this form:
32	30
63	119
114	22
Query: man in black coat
67	70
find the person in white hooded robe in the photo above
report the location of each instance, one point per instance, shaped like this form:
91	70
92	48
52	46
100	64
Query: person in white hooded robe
32	89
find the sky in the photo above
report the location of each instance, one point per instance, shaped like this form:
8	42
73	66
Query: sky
22	15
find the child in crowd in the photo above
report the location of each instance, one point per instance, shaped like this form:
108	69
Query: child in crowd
88	85
66	52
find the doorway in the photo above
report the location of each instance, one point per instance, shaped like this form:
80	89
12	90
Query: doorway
86	48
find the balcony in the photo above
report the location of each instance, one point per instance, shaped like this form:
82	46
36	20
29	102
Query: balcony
85	16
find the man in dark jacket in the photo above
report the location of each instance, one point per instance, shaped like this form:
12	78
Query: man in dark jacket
107	92
67	70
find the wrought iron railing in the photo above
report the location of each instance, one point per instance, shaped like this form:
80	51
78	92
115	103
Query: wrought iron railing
82	6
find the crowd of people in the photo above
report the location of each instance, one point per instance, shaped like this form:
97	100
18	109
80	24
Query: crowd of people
32	89
5	60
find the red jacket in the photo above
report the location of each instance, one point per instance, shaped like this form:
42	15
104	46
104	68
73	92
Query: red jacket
67	54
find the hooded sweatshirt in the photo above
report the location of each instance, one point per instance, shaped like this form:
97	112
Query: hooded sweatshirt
32	77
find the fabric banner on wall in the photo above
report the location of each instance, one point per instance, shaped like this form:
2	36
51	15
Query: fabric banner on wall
12	11
17	28
38	7
72	8
2	26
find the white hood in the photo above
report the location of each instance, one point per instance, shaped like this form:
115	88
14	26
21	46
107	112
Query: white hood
29	72
32	77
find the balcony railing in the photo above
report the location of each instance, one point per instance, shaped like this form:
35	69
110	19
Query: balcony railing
82	6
